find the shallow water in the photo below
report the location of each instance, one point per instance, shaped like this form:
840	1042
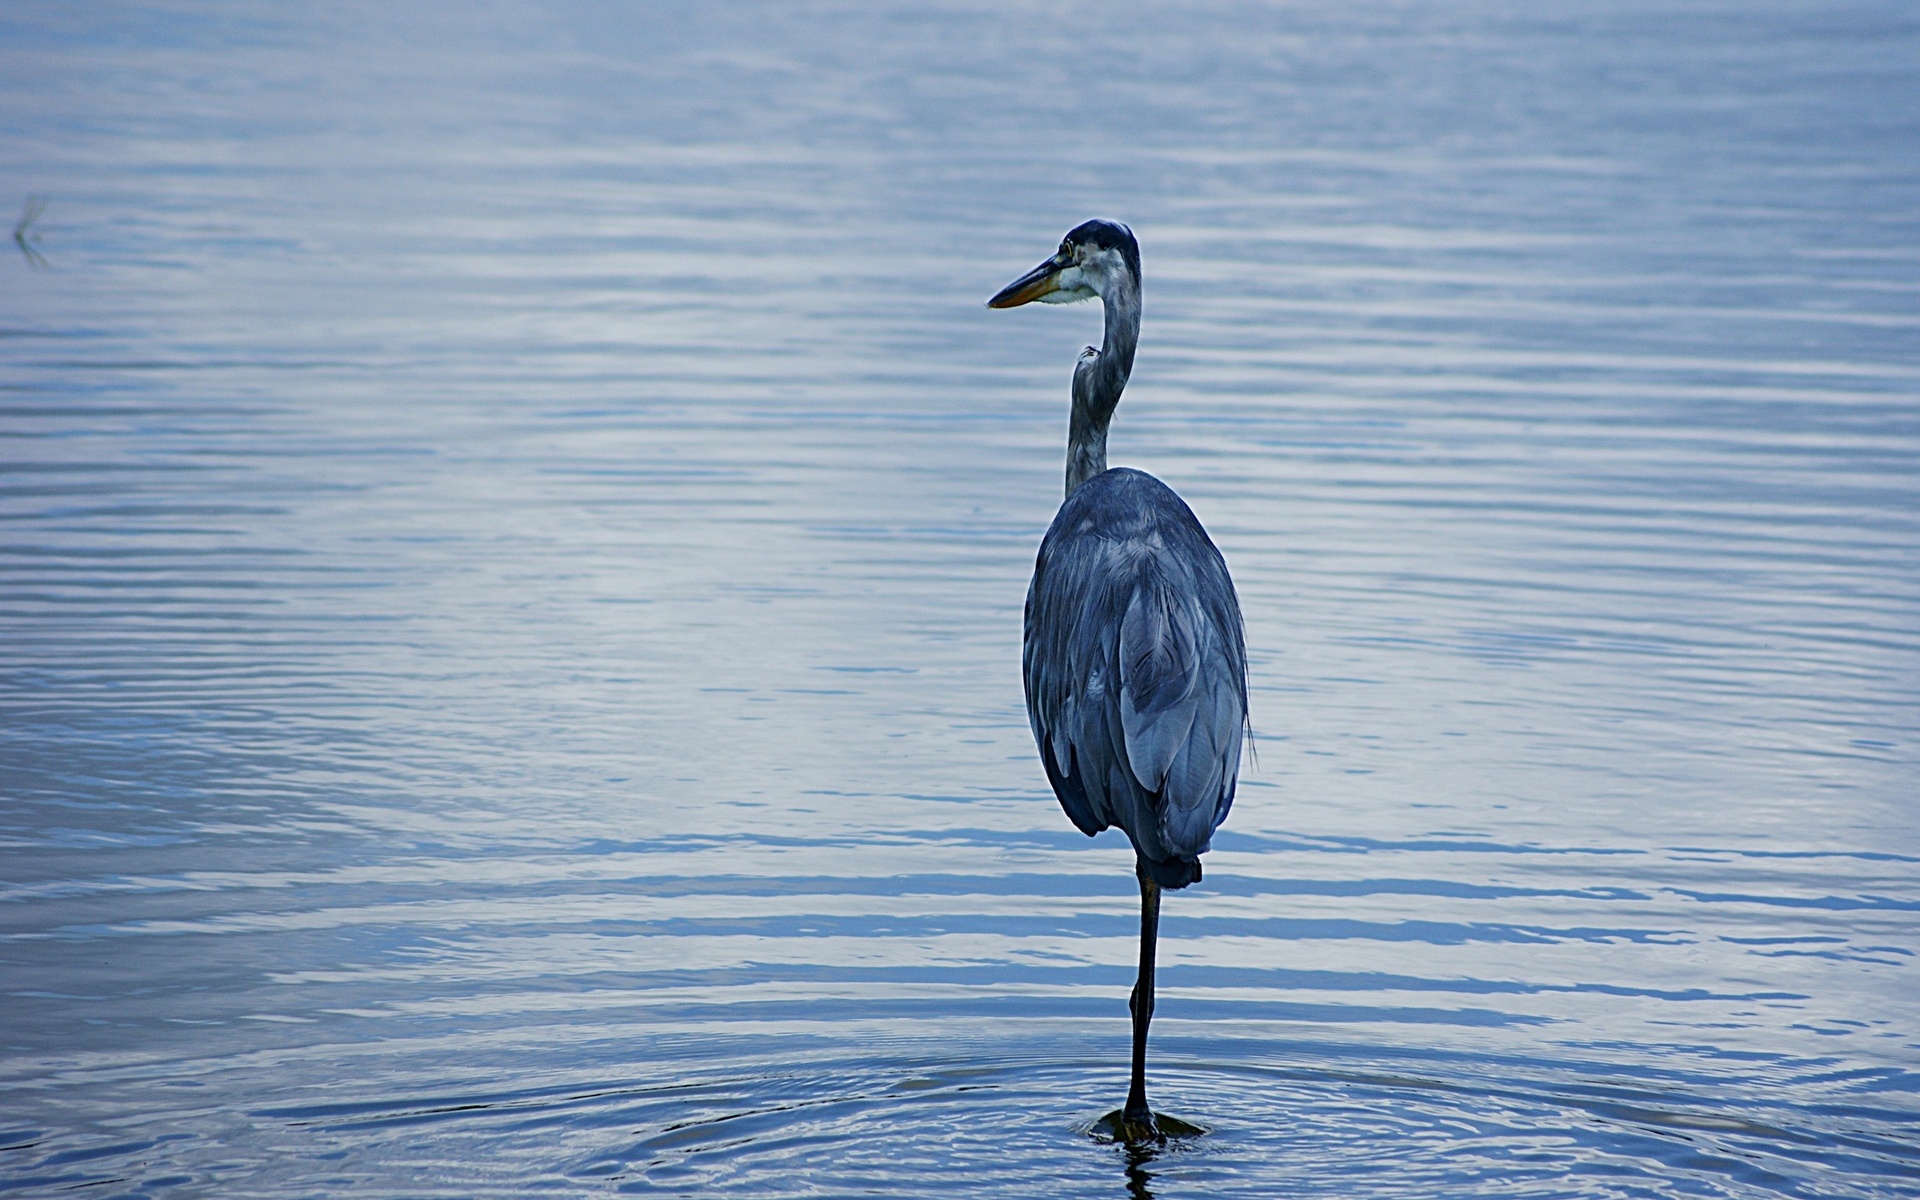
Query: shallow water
512	538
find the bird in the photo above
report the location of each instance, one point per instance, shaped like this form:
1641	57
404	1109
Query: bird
1134	653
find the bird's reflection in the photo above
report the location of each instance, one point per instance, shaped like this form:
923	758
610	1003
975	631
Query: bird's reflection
1139	1154
1172	1133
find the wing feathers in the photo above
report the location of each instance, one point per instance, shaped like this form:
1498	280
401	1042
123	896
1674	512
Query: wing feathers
1135	666
1158	672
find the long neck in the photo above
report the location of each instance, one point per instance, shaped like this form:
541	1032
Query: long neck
1098	381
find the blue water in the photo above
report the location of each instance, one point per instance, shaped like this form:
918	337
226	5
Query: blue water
513	525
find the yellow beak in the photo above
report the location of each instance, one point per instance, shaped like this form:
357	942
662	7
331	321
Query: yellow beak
1043	280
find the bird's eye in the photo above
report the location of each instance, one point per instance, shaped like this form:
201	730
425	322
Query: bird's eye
1066	249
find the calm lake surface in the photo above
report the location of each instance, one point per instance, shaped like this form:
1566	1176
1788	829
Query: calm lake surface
513	528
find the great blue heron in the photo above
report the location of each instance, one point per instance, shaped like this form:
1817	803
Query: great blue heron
1134	657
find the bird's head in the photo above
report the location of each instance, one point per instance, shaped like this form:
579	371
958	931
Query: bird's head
1093	260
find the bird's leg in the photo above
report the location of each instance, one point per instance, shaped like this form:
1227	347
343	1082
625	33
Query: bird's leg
1137	1119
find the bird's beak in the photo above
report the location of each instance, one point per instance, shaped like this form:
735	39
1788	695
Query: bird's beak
1043	280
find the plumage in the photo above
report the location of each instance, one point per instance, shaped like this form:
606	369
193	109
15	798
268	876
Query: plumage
1134	658
1135	669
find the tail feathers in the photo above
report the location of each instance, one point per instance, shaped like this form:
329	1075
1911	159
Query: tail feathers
1171	874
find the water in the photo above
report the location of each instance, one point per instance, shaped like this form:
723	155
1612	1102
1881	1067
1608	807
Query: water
512	539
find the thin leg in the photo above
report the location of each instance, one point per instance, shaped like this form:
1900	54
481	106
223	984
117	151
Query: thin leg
1137	1116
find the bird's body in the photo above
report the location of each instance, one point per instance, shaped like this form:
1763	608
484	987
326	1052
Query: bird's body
1134	657
1135	670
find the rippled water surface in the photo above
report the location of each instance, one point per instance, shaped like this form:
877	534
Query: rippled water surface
513	527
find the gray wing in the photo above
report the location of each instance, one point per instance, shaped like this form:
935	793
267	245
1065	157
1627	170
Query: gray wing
1136	678
1066	672
1182	710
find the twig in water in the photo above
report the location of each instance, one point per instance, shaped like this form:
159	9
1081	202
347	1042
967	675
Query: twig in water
23	232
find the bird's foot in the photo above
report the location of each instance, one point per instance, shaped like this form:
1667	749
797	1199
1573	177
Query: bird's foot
1143	1126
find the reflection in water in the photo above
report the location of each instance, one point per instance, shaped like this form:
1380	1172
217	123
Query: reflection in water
1139	1154
1175	1136
512	538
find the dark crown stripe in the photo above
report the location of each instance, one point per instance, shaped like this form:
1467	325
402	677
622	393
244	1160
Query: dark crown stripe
1109	235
